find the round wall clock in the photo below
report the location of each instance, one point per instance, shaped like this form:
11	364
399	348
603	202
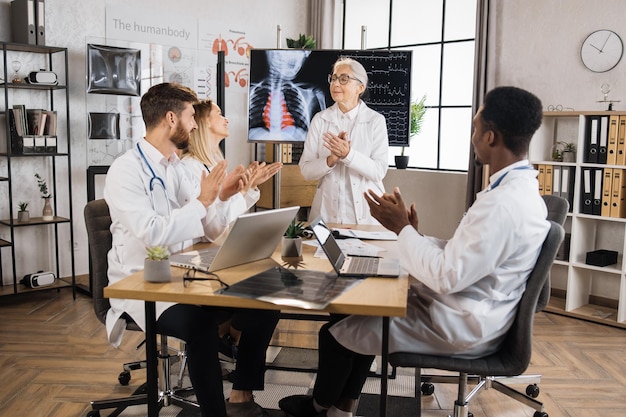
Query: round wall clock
602	50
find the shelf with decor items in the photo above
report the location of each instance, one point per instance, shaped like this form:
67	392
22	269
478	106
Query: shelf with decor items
589	274
35	169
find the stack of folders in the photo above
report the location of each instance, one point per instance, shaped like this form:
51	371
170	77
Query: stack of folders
604	140
603	192
603	189
557	180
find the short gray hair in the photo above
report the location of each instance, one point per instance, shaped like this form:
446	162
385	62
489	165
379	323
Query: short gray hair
356	67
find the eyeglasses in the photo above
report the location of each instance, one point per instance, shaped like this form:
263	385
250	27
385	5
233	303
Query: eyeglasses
190	275
343	79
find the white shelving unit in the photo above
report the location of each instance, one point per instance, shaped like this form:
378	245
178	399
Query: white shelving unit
578	289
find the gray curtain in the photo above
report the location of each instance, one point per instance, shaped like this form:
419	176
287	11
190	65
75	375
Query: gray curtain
475	175
326	23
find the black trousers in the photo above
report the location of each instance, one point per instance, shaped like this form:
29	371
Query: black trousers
198	327
341	372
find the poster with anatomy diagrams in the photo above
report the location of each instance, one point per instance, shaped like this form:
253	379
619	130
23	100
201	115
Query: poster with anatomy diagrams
172	49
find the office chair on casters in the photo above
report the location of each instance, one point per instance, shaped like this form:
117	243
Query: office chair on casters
98	223
511	359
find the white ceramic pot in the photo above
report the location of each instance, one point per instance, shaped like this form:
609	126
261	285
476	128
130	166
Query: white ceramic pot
156	271
291	247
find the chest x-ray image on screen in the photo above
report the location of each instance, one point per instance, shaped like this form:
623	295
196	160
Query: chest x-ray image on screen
282	100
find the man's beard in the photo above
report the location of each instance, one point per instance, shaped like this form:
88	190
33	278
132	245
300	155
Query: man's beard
180	137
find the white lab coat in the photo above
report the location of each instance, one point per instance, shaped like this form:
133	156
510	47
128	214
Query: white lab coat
366	165
467	289
141	217
234	206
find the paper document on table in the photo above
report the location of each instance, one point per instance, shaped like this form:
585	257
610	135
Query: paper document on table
353	247
368	235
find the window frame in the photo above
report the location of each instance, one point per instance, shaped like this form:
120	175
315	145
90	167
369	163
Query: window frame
439	107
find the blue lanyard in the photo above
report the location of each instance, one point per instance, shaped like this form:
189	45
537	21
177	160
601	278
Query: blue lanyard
499	180
154	175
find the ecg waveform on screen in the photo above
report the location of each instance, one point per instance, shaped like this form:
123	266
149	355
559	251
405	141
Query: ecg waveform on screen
389	88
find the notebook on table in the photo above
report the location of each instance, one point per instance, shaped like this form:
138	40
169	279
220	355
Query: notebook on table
252	237
352	266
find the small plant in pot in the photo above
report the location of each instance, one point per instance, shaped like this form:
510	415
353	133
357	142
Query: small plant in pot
157	264
564	152
418	109
292	240
23	216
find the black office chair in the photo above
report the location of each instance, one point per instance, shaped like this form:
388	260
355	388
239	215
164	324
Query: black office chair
557	212
511	359
98	223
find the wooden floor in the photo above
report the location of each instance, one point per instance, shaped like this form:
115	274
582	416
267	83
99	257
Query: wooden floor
54	359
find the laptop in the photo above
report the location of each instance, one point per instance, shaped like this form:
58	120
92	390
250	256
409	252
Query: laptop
352	266
252	237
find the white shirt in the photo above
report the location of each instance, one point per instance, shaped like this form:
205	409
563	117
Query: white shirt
363	168
142	217
466	289
230	209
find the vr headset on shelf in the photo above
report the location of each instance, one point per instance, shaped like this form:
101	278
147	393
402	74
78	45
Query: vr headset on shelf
42	77
38	279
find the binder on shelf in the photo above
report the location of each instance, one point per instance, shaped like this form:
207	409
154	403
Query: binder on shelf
587	191
591	151
597	192
17	143
618	194
51	144
40	21
23	27
556	180
541	177
547	183
606	192
567	185
621	146
40	144
611	155
29	144
602	139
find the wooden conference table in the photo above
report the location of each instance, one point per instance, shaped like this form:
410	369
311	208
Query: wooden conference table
383	297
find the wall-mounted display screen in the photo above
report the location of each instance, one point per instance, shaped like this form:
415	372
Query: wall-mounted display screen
289	86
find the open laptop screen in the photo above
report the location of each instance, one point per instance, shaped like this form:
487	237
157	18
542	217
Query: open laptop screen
330	246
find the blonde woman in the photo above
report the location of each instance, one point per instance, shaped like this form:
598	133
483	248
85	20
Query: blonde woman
204	153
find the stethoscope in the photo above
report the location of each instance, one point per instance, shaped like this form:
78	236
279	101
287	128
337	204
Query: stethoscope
154	181
499	180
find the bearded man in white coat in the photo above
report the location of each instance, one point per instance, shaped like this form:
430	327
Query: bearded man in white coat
154	200
465	290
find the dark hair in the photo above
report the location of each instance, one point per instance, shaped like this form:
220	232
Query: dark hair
161	98
515	113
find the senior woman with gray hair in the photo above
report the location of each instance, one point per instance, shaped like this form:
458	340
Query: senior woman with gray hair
346	149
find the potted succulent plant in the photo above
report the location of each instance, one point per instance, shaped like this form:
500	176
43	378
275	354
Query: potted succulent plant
418	109
48	214
157	264
564	152
291	246
23	216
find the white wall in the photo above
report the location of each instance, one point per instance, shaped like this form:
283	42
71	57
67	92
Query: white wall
439	198
537	47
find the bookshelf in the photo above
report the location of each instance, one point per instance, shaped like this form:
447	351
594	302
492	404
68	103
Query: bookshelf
40	243
579	289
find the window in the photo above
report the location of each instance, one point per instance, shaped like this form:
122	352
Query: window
441	35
